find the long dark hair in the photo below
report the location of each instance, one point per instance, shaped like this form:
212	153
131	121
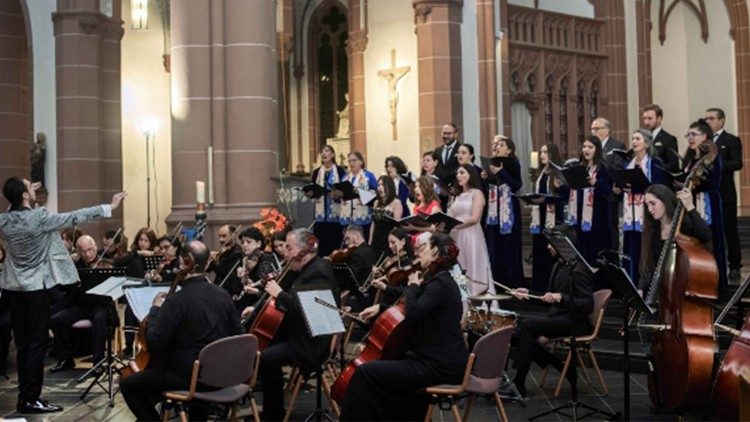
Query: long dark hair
447	252
401	234
469	148
598	154
553	156
390	190
652	228
473	176
397	163
150	234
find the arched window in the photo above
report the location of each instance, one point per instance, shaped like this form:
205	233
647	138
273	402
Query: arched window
549	86
563	114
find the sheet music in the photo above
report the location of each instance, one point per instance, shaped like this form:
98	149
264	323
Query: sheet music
367	195
113	287
320	319
140	299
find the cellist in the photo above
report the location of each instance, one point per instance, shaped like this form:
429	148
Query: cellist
308	272
179	326
385	389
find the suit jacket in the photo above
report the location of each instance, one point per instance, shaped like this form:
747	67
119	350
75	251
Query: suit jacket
315	275
361	262
613	162
582	299
36	256
730	151
665	145
452	163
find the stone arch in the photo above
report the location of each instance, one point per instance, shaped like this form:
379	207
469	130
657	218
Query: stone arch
16	116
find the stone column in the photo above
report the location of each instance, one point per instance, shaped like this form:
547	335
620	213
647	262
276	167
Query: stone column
438	29
89	164
15	107
487	76
224	88
643	34
355	50
615	103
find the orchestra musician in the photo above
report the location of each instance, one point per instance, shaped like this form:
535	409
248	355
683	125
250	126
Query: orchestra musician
178	328
386	389
327	209
661	203
169	266
225	258
361	259
113	245
557	322
277	248
81	306
37	264
255	265
308	272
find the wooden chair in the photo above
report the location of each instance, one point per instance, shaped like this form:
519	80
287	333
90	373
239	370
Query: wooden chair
601	299
231	366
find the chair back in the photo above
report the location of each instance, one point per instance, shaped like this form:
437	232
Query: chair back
601	298
229	361
491	353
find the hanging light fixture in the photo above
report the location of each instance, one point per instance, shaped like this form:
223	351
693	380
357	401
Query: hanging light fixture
139	14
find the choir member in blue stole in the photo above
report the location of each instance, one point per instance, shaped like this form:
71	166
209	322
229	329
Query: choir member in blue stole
354	211
588	208
327	209
633	208
504	217
706	192
546	213
395	167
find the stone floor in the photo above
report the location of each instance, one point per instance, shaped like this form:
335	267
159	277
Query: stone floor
61	388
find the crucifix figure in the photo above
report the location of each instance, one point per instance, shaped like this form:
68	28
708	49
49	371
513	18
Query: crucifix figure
393	75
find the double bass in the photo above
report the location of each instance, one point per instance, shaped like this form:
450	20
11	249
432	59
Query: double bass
685	280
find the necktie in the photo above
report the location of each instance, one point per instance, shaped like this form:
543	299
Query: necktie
447	155
716	136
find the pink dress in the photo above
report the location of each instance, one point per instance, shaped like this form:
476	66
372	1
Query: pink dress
472	248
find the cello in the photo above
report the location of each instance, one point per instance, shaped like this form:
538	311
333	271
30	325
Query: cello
685	280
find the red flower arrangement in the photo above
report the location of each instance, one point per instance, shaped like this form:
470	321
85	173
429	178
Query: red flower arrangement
272	222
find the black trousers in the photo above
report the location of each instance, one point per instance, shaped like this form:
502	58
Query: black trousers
386	389
272	378
5	332
62	320
143	390
29	312
729	211
529	350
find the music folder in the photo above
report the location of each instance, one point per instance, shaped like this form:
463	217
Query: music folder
495	162
574	177
633	178
529	198
440	217
616	277
347	189
316	189
320	319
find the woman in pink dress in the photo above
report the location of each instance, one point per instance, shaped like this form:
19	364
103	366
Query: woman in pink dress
467	207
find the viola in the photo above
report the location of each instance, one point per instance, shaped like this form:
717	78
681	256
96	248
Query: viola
400	277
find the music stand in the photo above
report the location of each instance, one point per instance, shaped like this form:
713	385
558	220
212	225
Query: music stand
152	262
320	321
632	301
572	258
105	285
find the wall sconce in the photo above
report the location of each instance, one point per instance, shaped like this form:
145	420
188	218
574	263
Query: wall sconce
139	14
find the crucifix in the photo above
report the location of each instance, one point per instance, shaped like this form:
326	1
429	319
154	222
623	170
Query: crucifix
393	75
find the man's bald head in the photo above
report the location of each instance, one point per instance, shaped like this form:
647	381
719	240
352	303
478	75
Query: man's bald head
86	248
199	252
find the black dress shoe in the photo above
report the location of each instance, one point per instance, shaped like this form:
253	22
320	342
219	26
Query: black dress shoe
63	365
37	406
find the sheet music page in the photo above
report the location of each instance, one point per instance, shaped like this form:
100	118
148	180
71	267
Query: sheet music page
367	195
140	299
320	319
111	287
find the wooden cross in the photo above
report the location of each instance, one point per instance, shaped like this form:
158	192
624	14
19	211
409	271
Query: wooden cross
393	75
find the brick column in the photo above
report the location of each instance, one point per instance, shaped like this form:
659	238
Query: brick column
487	77
438	29
355	51
15	91
643	34
615	104
224	87
87	54
738	14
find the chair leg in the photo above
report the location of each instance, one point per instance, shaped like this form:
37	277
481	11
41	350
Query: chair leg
254	407
331	402
598	371
292	376
293	399
562	374
582	365
546	368
469	403
500	407
233	412
428	415
164	411
456	413
183	414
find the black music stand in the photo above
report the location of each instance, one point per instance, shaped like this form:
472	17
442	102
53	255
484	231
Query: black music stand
572	258
632	301
152	262
320	321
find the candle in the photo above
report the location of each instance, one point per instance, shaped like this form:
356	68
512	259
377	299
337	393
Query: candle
534	160
200	192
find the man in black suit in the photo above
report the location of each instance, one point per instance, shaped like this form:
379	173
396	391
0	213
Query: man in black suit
665	143
447	151
308	272
360	262
730	151
601	128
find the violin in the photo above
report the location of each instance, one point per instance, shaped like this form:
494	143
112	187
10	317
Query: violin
400	277
226	246
340	256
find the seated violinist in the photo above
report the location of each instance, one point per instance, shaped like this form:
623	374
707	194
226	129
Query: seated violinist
400	258
255	265
557	322
223	260
169	265
387	389
359	256
308	272
661	203
81	306
178	328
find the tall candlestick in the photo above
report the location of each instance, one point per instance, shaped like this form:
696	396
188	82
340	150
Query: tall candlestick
534	160
200	192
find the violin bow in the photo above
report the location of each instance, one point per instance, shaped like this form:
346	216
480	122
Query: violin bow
106	249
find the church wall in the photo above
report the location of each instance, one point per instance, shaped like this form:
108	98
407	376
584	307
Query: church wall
470	77
582	8
145	101
391	26
690	75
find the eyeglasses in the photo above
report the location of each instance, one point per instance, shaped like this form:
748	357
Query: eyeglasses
596	128
692	135
448	133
